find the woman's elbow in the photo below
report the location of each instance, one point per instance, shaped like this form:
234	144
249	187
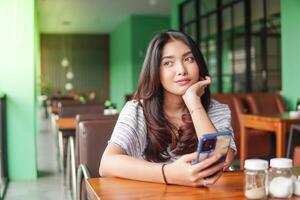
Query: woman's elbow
102	168
108	160
105	169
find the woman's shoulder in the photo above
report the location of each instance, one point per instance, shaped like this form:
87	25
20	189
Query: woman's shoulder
132	108
130	132
217	107
132	105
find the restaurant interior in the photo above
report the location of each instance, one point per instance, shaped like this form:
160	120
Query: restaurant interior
67	68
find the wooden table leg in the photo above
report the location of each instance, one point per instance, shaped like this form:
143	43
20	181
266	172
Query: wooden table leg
243	146
280	141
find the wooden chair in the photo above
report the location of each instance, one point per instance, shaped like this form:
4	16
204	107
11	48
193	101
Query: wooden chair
69	111
266	104
293	149
93	138
239	104
73	147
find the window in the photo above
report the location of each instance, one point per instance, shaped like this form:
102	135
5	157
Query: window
240	40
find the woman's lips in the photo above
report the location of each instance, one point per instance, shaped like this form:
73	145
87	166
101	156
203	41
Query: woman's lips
182	82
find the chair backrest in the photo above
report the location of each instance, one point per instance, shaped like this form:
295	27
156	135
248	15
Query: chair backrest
242	98
55	109
52	98
88	117
93	138
55	102
266	103
73	110
293	141
282	107
235	107
296	158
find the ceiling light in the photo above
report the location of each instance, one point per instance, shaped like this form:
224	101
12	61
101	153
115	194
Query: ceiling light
70	75
152	2
66	23
65	62
68	86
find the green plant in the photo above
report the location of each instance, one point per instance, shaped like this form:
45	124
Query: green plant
82	99
45	89
298	104
109	104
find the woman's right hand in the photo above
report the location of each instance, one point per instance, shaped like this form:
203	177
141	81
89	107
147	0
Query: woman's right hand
182	172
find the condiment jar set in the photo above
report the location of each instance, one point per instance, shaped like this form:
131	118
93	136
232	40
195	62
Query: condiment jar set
277	182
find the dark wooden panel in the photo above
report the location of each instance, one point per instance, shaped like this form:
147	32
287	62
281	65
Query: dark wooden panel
88	56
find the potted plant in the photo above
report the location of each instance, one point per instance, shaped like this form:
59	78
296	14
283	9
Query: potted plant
110	108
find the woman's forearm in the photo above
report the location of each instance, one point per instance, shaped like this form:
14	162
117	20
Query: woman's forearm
191	98
124	166
201	121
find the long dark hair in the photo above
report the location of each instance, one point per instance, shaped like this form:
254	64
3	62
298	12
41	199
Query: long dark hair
150	95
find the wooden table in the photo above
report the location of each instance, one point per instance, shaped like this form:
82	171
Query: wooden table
66	123
54	109
230	186
278	124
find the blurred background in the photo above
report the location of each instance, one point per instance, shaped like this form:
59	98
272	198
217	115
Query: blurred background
92	51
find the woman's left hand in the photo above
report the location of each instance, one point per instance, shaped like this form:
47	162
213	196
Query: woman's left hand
229	159
194	92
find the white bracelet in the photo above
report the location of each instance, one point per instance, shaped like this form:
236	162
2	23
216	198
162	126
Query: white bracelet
192	111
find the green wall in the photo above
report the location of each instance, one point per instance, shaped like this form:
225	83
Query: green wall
37	66
143	29
120	63
175	14
128	44
290	32
17	80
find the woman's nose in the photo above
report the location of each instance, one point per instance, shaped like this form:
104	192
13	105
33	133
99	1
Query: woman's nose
181	69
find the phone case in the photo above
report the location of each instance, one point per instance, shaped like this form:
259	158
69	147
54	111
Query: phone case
211	144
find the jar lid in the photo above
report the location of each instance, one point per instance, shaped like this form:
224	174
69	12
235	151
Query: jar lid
281	163
256	164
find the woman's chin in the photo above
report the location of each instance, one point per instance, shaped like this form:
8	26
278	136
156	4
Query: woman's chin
180	92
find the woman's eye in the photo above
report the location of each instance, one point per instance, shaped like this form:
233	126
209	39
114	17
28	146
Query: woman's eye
167	63
190	59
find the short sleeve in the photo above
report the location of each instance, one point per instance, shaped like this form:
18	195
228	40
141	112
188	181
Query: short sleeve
130	130
220	116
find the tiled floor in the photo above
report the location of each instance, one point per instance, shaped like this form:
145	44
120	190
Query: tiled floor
49	185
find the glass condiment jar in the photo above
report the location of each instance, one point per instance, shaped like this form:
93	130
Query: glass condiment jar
280	178
297	185
256	178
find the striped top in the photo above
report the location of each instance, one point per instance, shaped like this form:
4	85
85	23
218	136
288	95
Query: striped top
130	132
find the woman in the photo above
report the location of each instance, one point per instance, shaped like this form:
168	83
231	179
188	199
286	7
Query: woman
156	135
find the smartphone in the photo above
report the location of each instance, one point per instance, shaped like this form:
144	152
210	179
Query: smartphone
211	144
